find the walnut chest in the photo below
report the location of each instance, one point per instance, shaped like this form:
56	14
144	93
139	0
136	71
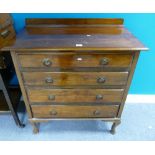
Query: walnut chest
75	68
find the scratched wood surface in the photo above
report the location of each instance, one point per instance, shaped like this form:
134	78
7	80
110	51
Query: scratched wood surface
86	34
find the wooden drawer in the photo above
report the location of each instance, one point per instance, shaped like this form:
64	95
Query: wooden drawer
7	34
75	78
75	95
59	111
74	60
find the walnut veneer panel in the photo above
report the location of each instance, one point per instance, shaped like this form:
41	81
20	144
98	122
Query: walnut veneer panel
74	111
75	95
73	60
75	78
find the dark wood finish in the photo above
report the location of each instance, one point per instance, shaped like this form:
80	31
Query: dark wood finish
7	31
76	26
75	78
75	68
5	20
73	60
56	111
124	41
114	125
75	30
73	21
75	95
30	42
133	67
6	34
13	54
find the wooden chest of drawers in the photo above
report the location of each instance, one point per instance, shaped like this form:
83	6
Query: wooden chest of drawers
75	68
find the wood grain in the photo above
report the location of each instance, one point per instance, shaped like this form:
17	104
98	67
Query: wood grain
74	78
73	60
75	30
74	21
133	67
11	33
74	111
5	20
73	72
28	108
45	34
75	95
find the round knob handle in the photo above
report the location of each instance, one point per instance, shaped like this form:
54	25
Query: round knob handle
99	97
47	62
101	80
96	112
5	33
104	61
51	97
53	112
49	80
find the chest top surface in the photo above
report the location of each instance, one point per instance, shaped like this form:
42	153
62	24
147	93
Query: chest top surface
75	34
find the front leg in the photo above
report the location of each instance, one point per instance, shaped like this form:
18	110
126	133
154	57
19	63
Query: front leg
113	128
35	127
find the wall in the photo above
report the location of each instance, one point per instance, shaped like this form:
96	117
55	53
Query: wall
141	25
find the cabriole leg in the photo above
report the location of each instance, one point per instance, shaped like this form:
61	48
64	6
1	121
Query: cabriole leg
113	128
35	127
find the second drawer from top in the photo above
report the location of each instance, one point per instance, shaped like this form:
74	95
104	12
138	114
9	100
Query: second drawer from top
75	78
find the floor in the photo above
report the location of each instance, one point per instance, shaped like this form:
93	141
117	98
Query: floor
138	123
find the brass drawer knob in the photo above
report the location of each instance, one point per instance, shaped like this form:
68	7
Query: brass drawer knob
51	97
5	33
99	97
47	62
96	112
101	80
49	80
53	112
104	61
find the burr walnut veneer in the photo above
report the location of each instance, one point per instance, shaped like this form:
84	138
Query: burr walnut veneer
75	68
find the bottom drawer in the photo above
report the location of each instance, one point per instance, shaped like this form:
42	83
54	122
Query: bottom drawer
63	111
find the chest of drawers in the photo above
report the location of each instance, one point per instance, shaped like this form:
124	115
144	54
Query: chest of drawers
75	68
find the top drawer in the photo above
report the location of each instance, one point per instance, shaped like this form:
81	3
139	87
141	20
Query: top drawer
73	60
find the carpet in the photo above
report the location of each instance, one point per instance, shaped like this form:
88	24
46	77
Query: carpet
138	124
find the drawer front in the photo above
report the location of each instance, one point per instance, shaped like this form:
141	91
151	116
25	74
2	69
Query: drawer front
75	78
74	60
75	95
6	34
57	111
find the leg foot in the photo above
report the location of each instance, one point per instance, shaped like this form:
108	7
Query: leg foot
35	127
113	128
21	125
